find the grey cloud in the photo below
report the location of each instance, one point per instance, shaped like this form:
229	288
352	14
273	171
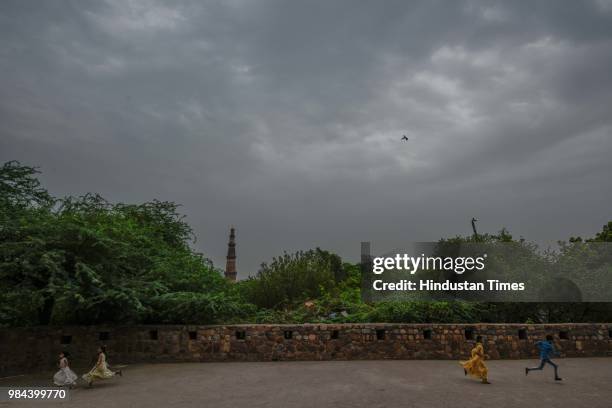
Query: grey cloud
284	118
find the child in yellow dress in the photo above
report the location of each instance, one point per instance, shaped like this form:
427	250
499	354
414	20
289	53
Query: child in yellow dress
475	366
100	370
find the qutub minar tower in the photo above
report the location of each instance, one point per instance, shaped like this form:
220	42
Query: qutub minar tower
230	266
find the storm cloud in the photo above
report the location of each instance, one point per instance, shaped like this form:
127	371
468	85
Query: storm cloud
284	118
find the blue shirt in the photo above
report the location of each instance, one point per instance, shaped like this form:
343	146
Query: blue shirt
546	349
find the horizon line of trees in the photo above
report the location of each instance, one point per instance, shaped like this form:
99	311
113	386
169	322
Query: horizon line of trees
84	260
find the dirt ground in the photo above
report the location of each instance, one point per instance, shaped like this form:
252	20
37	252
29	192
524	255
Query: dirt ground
586	383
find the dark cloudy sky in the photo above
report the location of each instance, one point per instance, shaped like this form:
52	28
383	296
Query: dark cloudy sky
284	117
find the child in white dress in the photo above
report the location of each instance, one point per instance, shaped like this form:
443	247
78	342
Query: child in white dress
65	376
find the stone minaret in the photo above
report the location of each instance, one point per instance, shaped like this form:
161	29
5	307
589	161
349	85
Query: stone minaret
230	266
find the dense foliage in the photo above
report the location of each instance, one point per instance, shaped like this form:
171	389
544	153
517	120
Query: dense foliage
84	260
293	277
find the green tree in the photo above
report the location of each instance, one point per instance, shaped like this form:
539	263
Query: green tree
291	278
85	260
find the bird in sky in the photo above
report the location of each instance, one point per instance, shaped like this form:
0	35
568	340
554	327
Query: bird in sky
405	138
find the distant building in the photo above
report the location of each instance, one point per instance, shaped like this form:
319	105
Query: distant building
230	265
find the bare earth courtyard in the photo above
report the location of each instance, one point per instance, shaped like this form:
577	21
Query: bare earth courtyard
408	383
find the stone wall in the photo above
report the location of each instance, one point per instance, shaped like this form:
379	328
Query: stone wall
27	349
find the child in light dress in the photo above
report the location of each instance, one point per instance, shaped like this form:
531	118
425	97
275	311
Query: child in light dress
65	376
100	370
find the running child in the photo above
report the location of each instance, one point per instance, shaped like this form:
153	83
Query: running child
546	350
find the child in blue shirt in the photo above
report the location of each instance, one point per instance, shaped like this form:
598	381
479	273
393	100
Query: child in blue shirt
546	350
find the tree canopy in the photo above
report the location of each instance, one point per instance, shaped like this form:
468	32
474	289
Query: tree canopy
85	260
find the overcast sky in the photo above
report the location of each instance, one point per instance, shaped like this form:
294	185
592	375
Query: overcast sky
284	118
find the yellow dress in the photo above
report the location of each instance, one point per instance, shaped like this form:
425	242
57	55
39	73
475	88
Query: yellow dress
100	371
475	366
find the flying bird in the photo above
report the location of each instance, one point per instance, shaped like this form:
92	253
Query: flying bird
405	138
